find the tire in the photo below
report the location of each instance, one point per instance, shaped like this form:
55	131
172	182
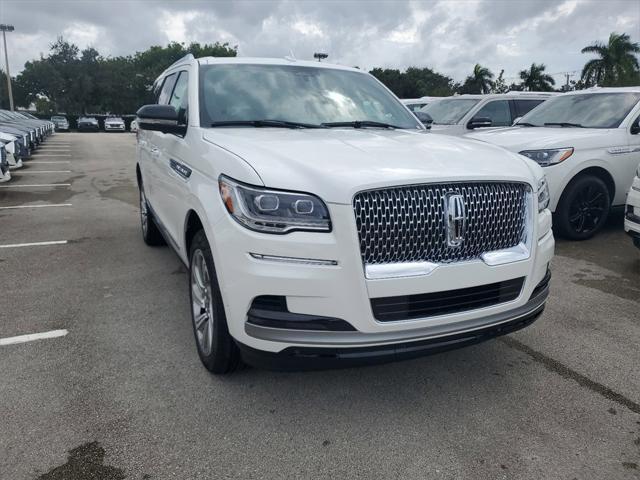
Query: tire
216	348
583	208
150	231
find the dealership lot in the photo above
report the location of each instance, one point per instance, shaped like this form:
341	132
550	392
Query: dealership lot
123	393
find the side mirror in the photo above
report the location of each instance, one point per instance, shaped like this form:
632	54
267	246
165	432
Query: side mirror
515	122
635	128
479	122
425	118
160	118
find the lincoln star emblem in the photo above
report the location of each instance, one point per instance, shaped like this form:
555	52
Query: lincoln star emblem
456	217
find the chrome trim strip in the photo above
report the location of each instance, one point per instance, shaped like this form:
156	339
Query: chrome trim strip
359	339
395	270
508	255
294	260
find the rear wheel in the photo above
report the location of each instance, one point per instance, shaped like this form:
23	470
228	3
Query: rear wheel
216	349
583	208
150	231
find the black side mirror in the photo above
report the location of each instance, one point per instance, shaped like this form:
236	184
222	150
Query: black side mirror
425	118
160	118
479	122
635	128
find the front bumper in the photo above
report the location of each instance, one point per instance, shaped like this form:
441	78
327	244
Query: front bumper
632	212
114	128
341	291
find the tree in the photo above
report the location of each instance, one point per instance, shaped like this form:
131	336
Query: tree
500	85
617	64
480	81
415	82
536	80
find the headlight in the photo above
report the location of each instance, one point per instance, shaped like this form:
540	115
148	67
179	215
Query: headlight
273	211
548	157
543	194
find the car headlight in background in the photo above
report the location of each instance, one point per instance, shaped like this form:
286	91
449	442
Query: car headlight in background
273	211
550	156
543	194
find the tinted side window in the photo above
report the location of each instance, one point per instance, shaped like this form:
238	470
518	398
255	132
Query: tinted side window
525	106
167	88
180	98
498	111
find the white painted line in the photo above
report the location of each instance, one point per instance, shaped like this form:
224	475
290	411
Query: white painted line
29	162
35	186
42	171
49	155
37	206
35	244
33	336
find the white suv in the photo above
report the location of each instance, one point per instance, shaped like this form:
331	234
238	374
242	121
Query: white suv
632	210
464	114
589	145
322	226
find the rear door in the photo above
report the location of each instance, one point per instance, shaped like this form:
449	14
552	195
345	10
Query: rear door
497	111
524	106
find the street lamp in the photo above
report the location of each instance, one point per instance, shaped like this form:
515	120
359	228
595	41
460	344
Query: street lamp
7	28
320	56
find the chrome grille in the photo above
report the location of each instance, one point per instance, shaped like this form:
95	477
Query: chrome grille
407	224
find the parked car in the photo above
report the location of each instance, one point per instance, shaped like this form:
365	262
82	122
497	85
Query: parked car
61	123
88	124
588	142
415	104
323	226
463	114
114	124
632	210
5	174
12	125
12	146
134	126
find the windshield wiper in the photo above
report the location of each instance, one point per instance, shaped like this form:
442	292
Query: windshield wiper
360	124
563	124
526	124
265	123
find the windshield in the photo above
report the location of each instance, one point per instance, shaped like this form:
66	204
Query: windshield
449	111
292	93
589	110
58	118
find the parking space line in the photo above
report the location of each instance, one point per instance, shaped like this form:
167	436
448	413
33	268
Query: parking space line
53	161
35	186
36	206
50	155
42	171
33	336
35	244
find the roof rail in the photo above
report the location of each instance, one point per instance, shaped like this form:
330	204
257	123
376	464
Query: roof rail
188	56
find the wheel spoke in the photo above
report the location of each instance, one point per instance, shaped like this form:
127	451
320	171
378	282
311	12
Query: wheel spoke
198	294
201	320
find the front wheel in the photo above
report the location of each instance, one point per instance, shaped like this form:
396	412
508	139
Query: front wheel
150	232
583	208
216	349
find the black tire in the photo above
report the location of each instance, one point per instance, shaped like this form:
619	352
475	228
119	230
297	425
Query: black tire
223	355
583	208
150	231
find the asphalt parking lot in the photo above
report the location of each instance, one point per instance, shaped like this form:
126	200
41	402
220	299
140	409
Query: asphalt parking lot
123	394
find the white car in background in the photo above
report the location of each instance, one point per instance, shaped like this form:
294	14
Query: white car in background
632	210
12	149
5	174
415	104
114	124
134	126
462	114
588	143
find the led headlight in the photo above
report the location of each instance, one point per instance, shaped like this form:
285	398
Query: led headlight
543	194
547	157
273	211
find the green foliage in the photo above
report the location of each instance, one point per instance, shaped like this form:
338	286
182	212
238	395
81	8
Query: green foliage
415	82
480	81
535	80
79	82
617	65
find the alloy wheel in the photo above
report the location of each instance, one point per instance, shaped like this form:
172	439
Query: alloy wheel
586	209
144	212
202	302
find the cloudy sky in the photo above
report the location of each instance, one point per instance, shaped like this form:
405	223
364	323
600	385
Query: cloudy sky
447	35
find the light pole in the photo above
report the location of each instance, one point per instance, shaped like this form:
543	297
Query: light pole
5	29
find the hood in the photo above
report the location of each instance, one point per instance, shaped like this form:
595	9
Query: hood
517	139
337	163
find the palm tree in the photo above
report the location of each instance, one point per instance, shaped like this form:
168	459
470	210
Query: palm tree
536	80
480	81
617	64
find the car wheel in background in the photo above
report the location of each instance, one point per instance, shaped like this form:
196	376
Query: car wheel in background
150	231
216	349
583	208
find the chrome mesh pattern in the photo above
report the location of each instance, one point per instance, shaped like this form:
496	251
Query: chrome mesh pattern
408	224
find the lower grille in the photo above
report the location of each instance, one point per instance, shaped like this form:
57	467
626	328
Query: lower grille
407	307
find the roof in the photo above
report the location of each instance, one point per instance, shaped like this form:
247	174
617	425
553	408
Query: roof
605	90
514	93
